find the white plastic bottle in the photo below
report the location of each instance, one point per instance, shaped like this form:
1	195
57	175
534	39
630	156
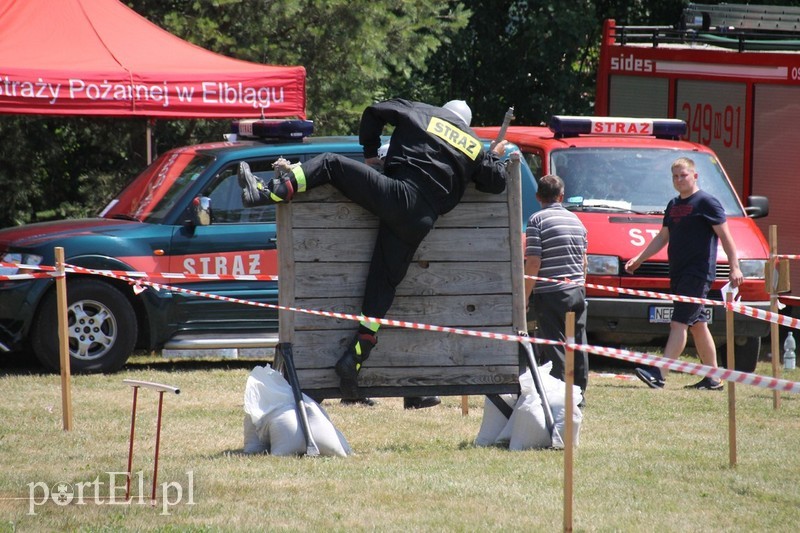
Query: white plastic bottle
789	357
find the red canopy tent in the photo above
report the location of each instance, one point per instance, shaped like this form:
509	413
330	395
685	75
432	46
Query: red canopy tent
99	57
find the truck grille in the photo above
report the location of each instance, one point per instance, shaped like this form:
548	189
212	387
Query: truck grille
661	270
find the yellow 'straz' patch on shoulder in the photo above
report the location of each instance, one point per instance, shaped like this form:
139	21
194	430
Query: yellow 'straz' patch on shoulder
456	138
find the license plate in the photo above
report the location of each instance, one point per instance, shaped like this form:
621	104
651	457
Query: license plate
663	314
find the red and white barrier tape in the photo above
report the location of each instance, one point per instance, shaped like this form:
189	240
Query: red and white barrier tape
638	357
23	266
736	307
787	256
686	367
14	277
49	272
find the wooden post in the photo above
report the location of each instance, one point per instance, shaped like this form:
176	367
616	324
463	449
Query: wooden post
515	233
149	124
731	384
464	405
775	345
63	340
569	376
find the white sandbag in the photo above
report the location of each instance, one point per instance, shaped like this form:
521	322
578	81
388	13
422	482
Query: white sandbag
270	406
339	435
283	433
493	420
252	441
556	396
266	389
527	388
286	437
504	437
529	429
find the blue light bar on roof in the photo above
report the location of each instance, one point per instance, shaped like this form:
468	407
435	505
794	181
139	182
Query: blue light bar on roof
266	128
564	126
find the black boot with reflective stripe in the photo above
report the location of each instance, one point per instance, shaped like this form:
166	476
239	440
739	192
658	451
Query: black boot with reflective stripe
255	192
349	365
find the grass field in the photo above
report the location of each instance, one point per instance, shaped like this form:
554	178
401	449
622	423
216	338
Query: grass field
648	461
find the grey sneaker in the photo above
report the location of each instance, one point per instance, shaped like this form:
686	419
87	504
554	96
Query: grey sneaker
250	184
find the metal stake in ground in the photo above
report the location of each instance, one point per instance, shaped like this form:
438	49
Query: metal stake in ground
161	390
285	349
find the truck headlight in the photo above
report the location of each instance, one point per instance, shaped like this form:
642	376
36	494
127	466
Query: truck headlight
752	268
16	257
603	265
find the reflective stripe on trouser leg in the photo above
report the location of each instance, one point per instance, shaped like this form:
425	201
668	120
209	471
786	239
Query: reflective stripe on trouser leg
300	177
372	326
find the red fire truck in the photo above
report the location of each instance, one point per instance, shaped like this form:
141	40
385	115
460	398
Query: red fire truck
616	173
732	73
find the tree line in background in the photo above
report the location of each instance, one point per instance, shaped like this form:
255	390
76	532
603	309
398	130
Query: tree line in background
538	55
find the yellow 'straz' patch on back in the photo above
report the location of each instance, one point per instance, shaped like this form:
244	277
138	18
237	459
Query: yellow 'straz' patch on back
456	138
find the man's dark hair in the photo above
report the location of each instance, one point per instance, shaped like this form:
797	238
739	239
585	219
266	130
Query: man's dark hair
550	188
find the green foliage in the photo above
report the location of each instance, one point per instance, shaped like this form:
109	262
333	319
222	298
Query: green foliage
350	54
538	55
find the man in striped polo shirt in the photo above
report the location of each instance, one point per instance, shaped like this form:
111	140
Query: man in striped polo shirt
555	247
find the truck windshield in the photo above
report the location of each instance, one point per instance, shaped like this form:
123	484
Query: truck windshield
149	197
634	180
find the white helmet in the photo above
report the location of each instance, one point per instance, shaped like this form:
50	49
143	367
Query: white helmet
383	150
460	108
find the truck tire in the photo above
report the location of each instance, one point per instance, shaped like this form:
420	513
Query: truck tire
102	328
745	353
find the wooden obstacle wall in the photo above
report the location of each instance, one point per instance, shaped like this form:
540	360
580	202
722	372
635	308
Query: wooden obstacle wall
467	273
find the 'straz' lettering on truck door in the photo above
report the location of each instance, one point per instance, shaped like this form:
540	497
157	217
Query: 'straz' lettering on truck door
233	264
638	236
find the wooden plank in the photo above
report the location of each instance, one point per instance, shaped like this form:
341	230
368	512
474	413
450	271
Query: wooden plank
349	215
459	310
441	244
330	194
403	347
311	379
423	278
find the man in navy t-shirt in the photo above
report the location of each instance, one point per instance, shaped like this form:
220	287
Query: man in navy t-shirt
694	222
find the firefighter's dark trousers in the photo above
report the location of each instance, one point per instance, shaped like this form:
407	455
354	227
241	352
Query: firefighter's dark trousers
550	310
406	217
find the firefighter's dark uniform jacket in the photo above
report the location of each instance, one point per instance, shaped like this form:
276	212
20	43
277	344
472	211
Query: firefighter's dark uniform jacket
432	157
432	147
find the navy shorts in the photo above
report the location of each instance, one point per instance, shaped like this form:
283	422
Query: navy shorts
687	312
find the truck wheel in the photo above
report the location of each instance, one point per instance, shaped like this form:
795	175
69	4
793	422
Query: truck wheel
102	328
745	353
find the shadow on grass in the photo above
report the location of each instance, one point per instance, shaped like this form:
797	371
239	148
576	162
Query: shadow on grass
189	365
25	364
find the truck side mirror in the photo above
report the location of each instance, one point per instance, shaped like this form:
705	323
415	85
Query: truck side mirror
201	211
757	206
